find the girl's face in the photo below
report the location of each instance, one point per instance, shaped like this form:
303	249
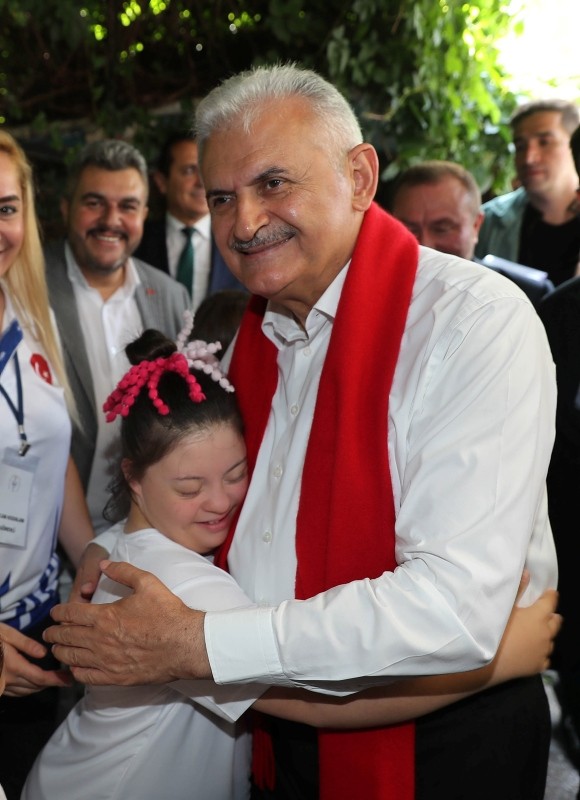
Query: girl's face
11	214
191	494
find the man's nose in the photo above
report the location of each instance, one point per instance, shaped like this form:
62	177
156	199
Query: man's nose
251	215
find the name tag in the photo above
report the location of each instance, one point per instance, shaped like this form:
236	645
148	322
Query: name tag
16	479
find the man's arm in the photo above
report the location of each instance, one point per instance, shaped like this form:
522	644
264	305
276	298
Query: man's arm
525	650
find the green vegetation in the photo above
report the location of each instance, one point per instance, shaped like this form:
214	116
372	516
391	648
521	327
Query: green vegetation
423	75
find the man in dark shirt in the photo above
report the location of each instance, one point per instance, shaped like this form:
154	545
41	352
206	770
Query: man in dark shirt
560	312
538	224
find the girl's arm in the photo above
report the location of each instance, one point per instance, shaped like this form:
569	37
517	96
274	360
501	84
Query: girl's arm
76	529
524	650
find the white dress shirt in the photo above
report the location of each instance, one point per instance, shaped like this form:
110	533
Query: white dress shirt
108	326
471	427
201	239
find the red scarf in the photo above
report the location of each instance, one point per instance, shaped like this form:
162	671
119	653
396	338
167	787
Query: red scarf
346	493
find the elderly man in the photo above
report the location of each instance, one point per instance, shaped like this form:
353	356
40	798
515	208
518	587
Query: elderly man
103	297
399	443
537	224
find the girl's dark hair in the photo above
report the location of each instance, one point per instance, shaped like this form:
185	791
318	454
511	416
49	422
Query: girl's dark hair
146	435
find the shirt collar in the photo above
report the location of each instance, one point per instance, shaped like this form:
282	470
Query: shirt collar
202	226
280	326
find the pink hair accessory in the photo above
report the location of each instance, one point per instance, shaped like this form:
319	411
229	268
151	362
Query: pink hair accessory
201	355
148	373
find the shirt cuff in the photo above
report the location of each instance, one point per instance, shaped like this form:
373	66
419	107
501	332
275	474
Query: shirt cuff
241	646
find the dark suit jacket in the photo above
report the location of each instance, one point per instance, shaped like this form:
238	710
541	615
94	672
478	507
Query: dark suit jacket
161	302
153	250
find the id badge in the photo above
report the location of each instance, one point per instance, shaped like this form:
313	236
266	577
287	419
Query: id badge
16	478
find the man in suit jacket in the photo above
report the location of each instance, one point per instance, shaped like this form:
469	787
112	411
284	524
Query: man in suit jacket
103	298
440	203
560	313
178	180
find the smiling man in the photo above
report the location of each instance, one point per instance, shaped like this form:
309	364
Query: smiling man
398	443
103	298
538	224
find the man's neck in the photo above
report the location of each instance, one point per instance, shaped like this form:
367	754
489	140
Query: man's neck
190	221
555	208
106	283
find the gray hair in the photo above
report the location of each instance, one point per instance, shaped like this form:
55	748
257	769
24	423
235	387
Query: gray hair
109	154
241	99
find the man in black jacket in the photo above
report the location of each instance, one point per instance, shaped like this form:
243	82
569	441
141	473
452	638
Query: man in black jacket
560	312
185	224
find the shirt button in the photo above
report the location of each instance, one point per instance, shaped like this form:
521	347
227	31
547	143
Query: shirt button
294	409
306	351
277	471
267	536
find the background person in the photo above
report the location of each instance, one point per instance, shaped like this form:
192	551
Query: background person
538	224
440	203
103	297
41	498
560	313
186	224
378	506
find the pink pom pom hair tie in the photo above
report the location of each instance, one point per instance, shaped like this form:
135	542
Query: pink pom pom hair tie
190	355
148	373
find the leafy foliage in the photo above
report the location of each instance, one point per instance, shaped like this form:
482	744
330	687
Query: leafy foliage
423	75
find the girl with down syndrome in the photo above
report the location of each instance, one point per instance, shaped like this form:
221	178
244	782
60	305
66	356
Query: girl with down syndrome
183	478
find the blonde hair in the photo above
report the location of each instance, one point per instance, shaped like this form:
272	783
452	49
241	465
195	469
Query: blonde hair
25	280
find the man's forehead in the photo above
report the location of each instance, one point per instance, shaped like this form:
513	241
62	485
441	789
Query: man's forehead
106	182
542	123
447	192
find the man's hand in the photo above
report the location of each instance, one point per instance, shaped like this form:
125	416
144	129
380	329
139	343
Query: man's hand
23	677
148	637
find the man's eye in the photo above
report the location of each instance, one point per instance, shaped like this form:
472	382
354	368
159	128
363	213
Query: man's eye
219	201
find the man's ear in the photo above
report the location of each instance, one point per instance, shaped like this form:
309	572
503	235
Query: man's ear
364	164
160	181
64	207
478	222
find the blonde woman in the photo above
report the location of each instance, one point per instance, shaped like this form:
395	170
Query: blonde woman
41	499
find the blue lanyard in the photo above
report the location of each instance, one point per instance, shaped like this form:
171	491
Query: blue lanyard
8	345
